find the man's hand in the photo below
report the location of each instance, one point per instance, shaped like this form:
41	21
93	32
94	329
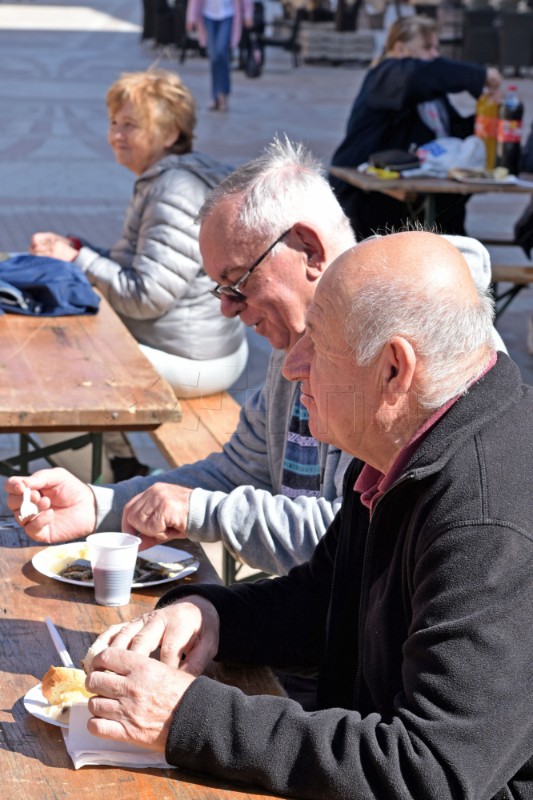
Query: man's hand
136	698
187	633
66	505
158	514
53	245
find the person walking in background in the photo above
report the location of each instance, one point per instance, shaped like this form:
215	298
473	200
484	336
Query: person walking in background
153	276
218	24
403	104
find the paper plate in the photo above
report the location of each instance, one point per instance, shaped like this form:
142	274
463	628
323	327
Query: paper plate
36	705
51	560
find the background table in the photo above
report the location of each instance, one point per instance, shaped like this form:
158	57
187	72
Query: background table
34	762
81	374
404	188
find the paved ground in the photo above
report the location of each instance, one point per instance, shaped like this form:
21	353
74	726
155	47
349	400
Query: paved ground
57	172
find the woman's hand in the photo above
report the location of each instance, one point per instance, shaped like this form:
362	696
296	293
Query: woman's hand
53	245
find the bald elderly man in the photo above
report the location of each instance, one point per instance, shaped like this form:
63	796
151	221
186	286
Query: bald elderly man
415	606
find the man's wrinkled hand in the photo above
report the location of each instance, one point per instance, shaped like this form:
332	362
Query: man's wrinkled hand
187	633
136	698
66	505
158	514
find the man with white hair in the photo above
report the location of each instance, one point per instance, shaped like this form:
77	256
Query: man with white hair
416	604
268	233
272	493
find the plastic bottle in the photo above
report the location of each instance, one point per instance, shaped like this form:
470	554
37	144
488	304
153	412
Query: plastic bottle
510	131
486	126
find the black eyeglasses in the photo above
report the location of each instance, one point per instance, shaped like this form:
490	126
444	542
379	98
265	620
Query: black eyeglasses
232	290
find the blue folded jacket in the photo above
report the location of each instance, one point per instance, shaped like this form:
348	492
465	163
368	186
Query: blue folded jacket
47	287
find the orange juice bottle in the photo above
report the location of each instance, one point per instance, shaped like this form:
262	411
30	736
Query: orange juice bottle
486	126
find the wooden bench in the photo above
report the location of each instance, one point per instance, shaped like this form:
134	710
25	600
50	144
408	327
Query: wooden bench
206	425
518	276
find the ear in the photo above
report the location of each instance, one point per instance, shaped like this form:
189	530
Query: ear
172	138
398	365
309	241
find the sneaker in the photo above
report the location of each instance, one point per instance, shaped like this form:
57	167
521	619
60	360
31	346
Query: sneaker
125	468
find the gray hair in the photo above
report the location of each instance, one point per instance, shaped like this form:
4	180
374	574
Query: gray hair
453	339
283	186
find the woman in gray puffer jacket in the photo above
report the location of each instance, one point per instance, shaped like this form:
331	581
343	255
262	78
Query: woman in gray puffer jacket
153	276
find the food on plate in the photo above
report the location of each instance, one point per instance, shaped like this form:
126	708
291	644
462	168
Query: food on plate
79	569
93	651
64	686
497	174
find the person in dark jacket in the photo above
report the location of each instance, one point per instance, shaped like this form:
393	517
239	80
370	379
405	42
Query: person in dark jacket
416	604
403	104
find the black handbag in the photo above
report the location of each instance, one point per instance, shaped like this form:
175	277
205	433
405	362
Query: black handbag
396	160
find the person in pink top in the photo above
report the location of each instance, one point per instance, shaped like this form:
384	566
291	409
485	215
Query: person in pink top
218	24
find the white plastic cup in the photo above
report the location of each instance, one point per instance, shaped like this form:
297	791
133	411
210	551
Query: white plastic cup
113	556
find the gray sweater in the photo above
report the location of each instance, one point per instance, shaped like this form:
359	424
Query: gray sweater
237	499
153	276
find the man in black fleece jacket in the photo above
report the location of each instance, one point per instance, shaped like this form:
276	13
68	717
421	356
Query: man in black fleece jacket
416	605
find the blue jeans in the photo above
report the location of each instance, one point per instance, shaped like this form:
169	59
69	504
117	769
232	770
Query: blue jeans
219	49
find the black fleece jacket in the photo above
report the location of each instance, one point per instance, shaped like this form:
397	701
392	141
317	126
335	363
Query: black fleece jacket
419	619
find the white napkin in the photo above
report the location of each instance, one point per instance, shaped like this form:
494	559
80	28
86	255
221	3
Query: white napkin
84	748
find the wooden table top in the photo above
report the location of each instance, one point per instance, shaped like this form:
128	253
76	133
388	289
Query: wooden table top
34	762
400	187
79	373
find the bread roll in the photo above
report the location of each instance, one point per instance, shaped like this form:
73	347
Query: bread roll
64	686
93	650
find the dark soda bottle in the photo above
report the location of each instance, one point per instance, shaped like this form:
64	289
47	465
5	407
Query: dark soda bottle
510	131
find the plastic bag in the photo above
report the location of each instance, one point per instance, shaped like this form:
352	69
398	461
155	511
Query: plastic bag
441	155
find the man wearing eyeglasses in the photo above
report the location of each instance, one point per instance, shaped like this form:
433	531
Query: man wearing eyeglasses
268	233
273	492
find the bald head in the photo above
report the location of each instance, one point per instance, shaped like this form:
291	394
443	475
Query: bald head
416	285
415	262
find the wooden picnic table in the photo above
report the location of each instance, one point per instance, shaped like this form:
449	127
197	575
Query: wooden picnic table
406	188
84	374
34	762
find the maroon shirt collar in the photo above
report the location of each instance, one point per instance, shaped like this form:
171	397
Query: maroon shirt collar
372	483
